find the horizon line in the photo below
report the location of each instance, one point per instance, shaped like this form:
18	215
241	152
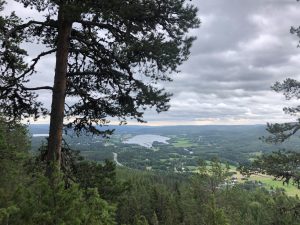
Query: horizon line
169	125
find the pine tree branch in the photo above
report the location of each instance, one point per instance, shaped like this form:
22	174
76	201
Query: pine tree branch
51	23
115	31
81	39
35	61
38	88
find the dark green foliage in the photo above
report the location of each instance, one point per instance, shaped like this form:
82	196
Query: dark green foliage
154	219
213	174
101	176
151	196
28	197
206	185
70	159
154	199
140	220
87	174
14	145
51	203
214	215
258	207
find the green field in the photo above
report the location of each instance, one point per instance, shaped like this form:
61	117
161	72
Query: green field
290	189
183	143
269	182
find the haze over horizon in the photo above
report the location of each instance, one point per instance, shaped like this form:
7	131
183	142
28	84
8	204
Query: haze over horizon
242	48
153	124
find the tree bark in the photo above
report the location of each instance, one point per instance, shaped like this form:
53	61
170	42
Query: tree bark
59	91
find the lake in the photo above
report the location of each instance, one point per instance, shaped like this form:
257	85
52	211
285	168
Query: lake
40	135
147	140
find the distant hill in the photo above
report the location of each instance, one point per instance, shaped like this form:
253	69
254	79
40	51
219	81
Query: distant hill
44	128
233	143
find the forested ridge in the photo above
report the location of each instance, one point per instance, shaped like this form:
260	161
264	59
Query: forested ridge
86	192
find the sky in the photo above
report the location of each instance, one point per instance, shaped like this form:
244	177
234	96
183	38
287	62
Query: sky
242	48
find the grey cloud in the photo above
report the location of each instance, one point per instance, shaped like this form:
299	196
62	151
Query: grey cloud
242	48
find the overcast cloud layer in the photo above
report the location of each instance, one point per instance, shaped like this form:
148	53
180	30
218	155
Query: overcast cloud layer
242	48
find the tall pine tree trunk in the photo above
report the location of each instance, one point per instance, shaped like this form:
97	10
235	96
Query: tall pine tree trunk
59	90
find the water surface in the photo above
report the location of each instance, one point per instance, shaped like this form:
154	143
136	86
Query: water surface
147	140
40	135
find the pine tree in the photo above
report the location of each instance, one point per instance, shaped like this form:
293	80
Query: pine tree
109	57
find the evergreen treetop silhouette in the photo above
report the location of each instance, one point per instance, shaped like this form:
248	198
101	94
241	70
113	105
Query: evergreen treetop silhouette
110	55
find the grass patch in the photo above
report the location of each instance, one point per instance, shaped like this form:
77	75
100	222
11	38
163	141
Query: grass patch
269	181
183	143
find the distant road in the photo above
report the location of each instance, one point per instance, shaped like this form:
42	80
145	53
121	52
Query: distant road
116	159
